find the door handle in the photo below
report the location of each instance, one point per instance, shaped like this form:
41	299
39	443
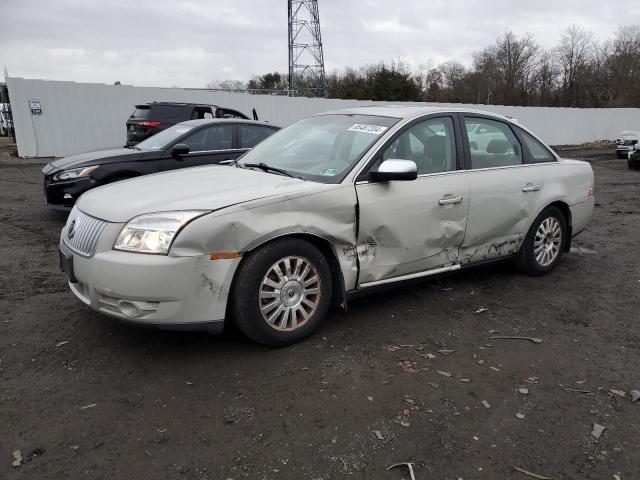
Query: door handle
449	200
529	187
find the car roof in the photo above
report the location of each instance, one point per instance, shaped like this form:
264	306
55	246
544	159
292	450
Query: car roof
175	104
207	121
408	111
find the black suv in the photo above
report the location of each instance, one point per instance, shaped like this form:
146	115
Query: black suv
151	118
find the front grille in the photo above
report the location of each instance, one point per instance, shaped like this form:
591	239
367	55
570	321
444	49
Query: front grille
83	232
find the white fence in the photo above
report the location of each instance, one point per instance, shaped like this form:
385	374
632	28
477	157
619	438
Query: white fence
80	117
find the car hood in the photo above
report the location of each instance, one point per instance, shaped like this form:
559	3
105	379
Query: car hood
90	158
198	188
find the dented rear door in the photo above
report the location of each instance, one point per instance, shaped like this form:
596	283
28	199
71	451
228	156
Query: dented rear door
414	226
505	192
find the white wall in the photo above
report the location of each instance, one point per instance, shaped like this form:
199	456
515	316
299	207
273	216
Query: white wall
80	117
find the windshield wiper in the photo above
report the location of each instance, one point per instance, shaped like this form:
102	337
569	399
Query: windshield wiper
268	168
132	147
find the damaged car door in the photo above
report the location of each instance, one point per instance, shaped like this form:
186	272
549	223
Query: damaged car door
505	191
413	228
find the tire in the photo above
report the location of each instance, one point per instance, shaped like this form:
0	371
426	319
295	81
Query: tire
268	300
536	241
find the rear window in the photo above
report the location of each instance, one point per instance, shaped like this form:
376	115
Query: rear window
141	112
157	112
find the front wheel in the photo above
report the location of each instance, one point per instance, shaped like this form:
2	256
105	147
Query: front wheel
282	292
544	243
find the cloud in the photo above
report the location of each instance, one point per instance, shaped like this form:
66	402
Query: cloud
192	42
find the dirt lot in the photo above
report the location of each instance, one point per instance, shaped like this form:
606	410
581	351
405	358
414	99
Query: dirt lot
125	403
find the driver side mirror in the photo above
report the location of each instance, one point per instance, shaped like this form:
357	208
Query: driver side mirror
395	169
179	149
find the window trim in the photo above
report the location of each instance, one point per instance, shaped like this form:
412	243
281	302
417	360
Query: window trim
462	116
363	175
530	159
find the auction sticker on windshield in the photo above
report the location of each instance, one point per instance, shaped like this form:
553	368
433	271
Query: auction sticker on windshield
362	127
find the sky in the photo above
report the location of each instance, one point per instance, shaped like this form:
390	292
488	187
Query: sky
189	43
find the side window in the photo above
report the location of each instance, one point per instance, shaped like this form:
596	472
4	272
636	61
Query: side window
230	113
539	152
251	135
431	144
216	137
492	144
195	142
201	113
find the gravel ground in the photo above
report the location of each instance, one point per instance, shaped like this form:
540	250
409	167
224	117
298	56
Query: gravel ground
410	375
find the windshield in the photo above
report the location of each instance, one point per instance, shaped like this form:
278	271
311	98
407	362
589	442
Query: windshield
322	148
163	139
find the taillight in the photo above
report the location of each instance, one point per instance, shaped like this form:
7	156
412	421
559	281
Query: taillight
150	123
590	192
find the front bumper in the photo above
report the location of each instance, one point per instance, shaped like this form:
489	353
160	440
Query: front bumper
63	195
154	290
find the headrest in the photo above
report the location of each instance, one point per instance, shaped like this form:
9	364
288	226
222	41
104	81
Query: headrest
498	146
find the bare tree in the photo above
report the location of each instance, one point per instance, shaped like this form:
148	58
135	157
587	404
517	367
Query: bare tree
513	70
624	64
574	55
226	85
547	75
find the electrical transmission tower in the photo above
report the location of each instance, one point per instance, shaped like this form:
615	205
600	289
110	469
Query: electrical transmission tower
306	60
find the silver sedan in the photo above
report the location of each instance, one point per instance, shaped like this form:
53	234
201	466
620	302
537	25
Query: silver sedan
335	205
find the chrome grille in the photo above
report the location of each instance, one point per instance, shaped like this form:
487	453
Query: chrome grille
83	232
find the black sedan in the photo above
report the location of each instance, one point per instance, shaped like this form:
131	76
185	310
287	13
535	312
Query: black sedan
187	144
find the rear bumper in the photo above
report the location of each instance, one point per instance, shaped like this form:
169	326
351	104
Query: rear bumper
155	290
581	215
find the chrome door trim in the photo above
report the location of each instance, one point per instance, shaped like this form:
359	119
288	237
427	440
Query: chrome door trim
203	152
410	276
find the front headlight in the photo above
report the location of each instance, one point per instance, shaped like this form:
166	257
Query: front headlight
74	173
154	232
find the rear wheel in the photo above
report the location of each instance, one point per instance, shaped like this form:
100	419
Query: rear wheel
544	243
282	292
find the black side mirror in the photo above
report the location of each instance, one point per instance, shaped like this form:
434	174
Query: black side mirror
179	149
255	114
395	169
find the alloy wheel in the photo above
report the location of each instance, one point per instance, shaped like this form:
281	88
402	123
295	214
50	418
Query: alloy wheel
546	245
289	293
